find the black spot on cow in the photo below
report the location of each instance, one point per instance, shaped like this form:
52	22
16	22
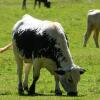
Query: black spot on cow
31	44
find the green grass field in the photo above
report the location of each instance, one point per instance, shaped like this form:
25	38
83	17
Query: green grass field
72	15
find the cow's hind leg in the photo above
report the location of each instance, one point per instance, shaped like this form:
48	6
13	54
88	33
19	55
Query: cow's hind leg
27	68
95	36
36	74
57	87
19	72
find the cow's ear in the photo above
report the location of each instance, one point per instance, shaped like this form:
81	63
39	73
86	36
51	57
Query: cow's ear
60	71
82	70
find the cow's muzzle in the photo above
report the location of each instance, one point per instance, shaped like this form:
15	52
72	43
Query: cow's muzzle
72	94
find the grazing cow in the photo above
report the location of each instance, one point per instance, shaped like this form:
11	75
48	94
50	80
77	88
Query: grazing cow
93	24
43	44
47	3
5	47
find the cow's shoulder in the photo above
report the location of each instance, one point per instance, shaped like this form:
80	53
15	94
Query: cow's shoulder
53	29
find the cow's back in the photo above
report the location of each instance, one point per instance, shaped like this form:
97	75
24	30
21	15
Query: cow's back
94	18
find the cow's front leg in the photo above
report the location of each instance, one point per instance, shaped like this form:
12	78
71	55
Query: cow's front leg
27	68
32	87
57	87
36	74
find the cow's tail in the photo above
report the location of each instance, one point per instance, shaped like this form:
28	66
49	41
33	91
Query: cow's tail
5	47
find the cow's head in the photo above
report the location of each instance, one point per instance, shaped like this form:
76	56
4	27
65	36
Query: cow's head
70	78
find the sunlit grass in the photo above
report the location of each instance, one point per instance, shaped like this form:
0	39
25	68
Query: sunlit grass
72	15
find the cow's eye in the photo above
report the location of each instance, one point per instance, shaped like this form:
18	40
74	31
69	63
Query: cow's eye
70	80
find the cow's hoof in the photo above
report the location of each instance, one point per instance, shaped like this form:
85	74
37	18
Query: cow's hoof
84	45
21	92
72	94
58	93
20	89
31	93
26	89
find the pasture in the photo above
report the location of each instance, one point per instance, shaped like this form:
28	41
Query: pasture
72	15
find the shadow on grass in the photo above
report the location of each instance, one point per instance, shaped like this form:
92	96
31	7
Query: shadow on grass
39	94
45	94
5	93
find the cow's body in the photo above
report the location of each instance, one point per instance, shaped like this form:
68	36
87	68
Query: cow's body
93	24
43	43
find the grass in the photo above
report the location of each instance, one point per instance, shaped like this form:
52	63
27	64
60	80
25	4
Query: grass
72	15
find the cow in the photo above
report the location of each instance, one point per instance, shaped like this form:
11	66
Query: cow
93	24
43	44
5	47
47	3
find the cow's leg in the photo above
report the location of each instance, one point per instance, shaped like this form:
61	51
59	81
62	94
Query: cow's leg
24	4
35	3
19	63
57	87
95	36
36	74
39	3
27	68
87	35
19	72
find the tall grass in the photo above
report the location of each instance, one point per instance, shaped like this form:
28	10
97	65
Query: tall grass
72	15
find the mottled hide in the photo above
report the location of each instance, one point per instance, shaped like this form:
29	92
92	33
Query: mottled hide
43	44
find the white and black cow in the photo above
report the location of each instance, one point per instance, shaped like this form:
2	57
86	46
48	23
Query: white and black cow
43	44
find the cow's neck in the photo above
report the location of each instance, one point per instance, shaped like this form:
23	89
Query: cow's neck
68	61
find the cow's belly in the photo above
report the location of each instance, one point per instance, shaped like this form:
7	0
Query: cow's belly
47	63
27	60
43	62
